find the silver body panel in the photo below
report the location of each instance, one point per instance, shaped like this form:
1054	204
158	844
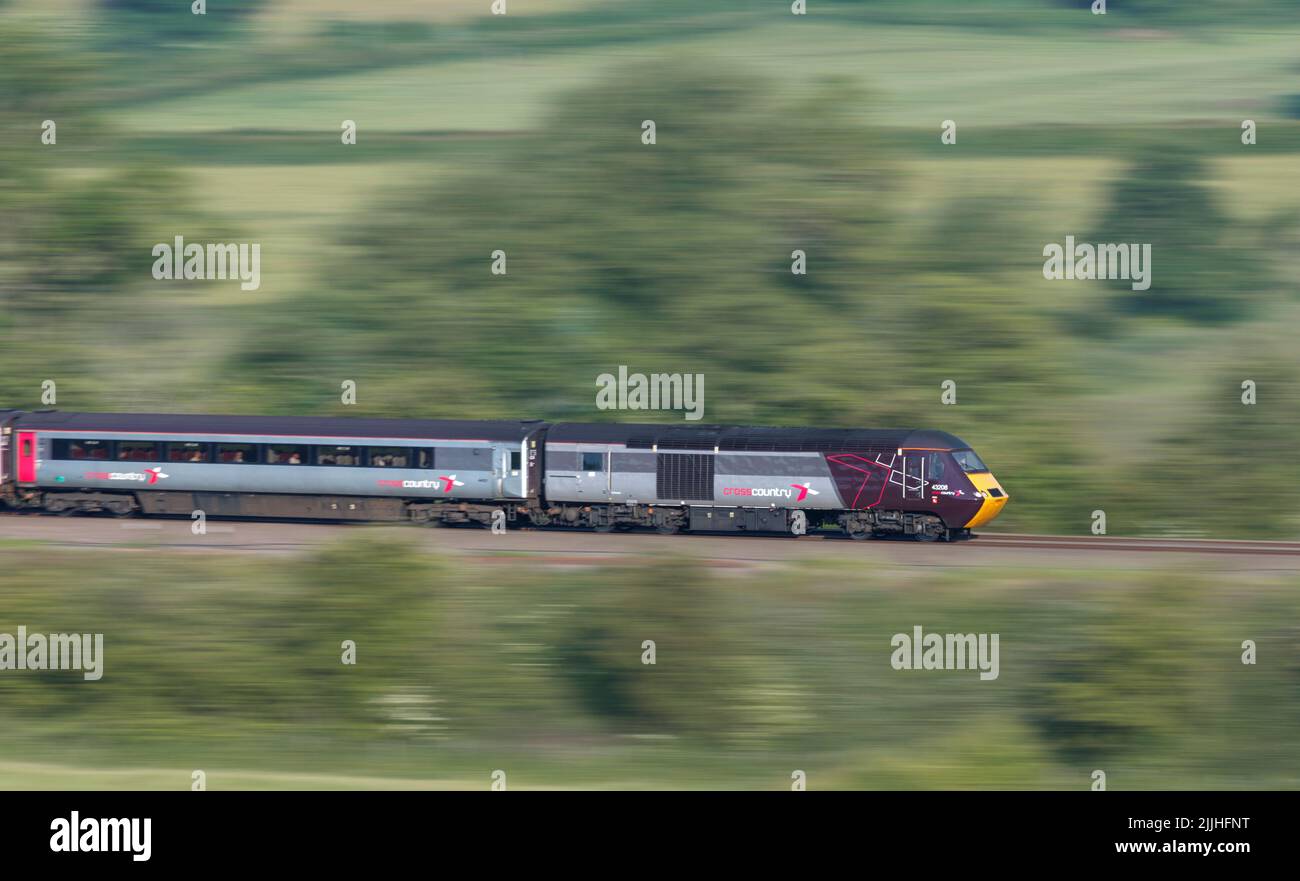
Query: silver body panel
746	480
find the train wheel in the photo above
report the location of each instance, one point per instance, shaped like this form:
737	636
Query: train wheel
668	529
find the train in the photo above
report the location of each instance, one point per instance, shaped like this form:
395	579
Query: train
919	483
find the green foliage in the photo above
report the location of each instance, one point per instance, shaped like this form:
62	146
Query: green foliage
693	685
147	25
1229	465
1129	677
539	668
188	650
1196	256
692	271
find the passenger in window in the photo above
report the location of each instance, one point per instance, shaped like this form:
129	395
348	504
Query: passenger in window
236	456
197	456
294	458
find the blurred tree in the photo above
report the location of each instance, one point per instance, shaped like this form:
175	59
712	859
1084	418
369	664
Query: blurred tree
378	593
1229	466
671	257
1201	269
144	25
694	685
71	243
1133	675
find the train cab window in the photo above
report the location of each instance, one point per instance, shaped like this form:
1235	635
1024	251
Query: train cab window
188	451
137	451
287	454
593	461
349	456
969	461
81	449
934	467
236	454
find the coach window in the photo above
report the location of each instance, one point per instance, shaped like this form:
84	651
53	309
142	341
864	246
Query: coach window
516	460
338	456
286	454
593	461
424	457
137	451
390	457
188	451
934	467
80	449
237	454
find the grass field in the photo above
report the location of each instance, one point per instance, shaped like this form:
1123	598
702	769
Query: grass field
921	76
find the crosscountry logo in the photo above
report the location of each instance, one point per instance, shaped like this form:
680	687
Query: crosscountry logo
804	489
150	475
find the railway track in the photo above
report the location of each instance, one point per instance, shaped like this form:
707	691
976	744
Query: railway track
1157	545
291	536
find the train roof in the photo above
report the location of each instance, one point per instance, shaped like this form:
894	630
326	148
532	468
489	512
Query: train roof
295	426
632	435
748	437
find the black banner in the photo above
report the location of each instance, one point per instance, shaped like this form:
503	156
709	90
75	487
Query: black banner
336	830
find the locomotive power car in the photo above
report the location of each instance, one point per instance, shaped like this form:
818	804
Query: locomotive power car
704	478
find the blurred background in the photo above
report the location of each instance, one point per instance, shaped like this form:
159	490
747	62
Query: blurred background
775	132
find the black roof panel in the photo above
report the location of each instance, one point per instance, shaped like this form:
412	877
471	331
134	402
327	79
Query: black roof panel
744	437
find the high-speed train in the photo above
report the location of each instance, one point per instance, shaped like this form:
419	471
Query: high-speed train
706	478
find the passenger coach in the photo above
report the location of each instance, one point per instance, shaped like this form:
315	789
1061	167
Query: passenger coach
261	466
